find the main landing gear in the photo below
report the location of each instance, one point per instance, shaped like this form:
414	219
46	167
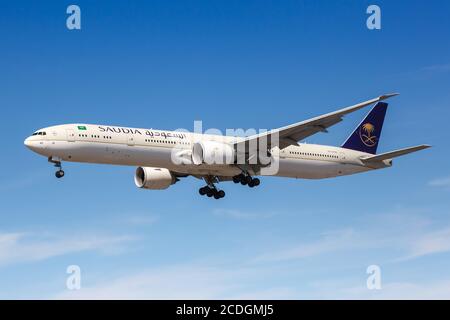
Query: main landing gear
59	173
210	190
246	179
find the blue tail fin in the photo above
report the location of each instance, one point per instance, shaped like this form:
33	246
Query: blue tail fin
366	136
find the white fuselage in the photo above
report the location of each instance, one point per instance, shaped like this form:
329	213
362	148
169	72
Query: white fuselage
154	148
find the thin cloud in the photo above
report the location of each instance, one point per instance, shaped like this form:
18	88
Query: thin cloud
140	220
437	68
193	281
25	247
392	290
241	215
440	182
329	242
22	182
429	243
409	234
402	232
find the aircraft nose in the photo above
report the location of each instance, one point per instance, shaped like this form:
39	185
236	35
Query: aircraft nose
27	142
35	145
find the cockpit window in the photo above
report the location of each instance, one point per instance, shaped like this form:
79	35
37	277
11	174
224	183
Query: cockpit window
40	133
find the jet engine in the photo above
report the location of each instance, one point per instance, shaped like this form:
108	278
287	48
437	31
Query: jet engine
154	178
212	152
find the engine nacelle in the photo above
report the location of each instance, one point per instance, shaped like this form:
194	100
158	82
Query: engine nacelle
212	152
153	178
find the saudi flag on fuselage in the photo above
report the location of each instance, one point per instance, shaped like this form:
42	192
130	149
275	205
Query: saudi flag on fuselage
82	128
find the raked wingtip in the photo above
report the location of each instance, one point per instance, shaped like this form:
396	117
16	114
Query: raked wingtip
387	96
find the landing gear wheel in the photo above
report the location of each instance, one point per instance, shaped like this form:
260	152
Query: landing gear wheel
256	182
237	179
210	190
59	174
218	194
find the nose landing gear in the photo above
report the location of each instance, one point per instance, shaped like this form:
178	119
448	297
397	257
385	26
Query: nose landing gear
60	172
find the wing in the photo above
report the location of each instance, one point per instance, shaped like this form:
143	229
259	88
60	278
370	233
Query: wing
290	135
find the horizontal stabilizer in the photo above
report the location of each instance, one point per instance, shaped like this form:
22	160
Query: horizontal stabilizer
394	154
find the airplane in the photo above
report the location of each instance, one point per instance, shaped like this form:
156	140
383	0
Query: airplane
216	158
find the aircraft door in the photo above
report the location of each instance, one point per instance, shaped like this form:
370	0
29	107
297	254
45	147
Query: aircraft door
342	167
130	140
70	135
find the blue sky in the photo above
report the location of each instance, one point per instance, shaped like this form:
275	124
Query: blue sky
231	64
